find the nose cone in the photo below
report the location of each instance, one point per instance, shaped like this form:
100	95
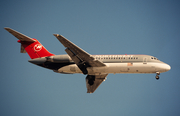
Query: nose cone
162	67
167	67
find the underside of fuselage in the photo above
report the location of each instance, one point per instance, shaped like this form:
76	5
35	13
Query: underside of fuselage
54	66
116	68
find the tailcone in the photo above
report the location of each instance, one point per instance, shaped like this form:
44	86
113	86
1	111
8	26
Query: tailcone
37	60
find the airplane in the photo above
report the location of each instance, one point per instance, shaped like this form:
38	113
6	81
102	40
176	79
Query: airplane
96	67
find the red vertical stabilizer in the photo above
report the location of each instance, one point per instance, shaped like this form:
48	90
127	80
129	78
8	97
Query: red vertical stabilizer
35	49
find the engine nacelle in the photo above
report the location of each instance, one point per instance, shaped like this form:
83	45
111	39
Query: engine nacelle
59	58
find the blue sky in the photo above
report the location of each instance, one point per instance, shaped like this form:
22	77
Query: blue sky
149	27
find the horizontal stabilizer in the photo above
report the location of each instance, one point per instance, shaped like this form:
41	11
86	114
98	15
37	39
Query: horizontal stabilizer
20	36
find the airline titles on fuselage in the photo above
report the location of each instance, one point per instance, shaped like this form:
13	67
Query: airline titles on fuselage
101	57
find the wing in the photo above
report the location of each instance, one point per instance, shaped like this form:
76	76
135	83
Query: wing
93	82
83	60
79	56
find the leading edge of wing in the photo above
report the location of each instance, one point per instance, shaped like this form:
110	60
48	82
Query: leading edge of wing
78	52
68	43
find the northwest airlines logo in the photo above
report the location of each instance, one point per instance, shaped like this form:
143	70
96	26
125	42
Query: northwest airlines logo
37	47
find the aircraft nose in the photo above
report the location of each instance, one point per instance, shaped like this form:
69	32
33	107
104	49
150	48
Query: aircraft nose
167	67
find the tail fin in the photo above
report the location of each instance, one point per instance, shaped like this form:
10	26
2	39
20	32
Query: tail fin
32	46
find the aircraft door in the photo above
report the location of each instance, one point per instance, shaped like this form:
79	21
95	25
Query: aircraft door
145	60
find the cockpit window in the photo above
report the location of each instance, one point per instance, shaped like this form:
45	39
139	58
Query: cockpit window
154	58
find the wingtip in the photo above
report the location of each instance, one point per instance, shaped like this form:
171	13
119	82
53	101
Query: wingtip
6	28
56	35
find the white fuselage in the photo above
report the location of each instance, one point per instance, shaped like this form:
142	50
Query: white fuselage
122	64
